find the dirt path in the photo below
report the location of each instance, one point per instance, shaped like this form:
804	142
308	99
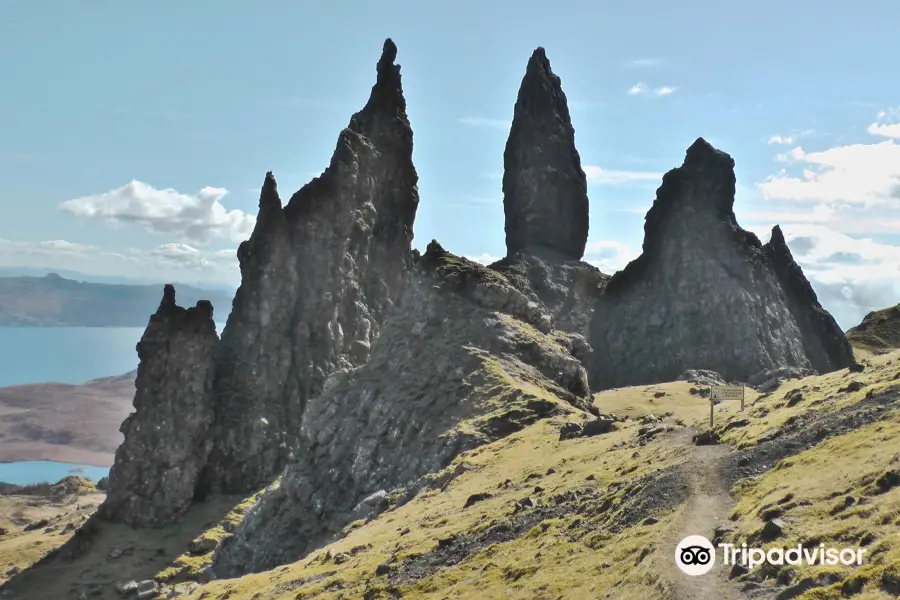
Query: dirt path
709	505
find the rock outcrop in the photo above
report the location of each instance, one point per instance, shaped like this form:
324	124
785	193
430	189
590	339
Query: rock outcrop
465	360
544	187
318	277
825	344
546	204
703	294
167	437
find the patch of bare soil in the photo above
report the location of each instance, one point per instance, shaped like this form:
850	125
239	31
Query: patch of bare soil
64	422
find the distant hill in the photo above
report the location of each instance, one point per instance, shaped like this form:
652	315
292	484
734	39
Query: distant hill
53	301
879	331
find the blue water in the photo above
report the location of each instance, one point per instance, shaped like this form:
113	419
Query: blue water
39	471
67	354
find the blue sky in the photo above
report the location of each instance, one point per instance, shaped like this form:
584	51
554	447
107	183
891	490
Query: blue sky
134	137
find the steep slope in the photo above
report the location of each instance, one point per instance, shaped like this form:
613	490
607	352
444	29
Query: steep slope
824	343
318	278
879	331
703	293
167	441
466	359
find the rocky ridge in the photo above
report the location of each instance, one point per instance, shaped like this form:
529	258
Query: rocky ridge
167	438
825	345
464	360
704	293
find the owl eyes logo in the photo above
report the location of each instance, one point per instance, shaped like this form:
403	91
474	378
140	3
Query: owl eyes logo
695	555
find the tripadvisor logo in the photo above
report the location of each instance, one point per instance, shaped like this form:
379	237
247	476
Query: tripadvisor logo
696	555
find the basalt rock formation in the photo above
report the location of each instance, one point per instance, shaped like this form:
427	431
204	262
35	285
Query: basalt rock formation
464	360
546	204
167	437
544	187
824	342
318	277
704	294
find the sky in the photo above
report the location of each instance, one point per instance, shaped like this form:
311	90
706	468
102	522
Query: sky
134	137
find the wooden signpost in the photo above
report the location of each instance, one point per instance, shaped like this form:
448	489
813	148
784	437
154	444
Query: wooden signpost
724	392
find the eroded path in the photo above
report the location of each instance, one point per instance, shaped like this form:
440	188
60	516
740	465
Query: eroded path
709	505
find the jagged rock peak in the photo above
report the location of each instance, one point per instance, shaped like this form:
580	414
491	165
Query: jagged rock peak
318	278
168	299
825	344
702	152
157	467
544	187
387	94
777	238
702	294
268	196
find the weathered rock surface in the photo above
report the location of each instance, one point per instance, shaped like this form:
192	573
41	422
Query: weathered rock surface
317	279
825	344
466	359
544	187
566	288
702	295
167	437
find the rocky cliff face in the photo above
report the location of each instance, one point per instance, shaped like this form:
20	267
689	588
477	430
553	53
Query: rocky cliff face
318	277
465	360
544	187
702	295
167	437
824	343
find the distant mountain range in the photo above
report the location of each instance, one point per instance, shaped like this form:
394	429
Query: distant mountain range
54	301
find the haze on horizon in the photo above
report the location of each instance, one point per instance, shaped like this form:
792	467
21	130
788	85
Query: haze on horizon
135	142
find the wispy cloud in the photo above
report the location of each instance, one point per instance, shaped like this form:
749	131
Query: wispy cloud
642	63
642	89
612	177
637	89
785	140
501	124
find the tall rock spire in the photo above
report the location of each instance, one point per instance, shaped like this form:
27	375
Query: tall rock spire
166	439
544	187
318	277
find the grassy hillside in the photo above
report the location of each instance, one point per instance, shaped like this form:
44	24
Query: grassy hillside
54	301
879	331
530	516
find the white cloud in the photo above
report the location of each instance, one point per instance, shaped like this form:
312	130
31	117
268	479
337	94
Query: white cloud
637	89
484	258
867	174
500	124
166	262
599	175
608	255
664	91
196	218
